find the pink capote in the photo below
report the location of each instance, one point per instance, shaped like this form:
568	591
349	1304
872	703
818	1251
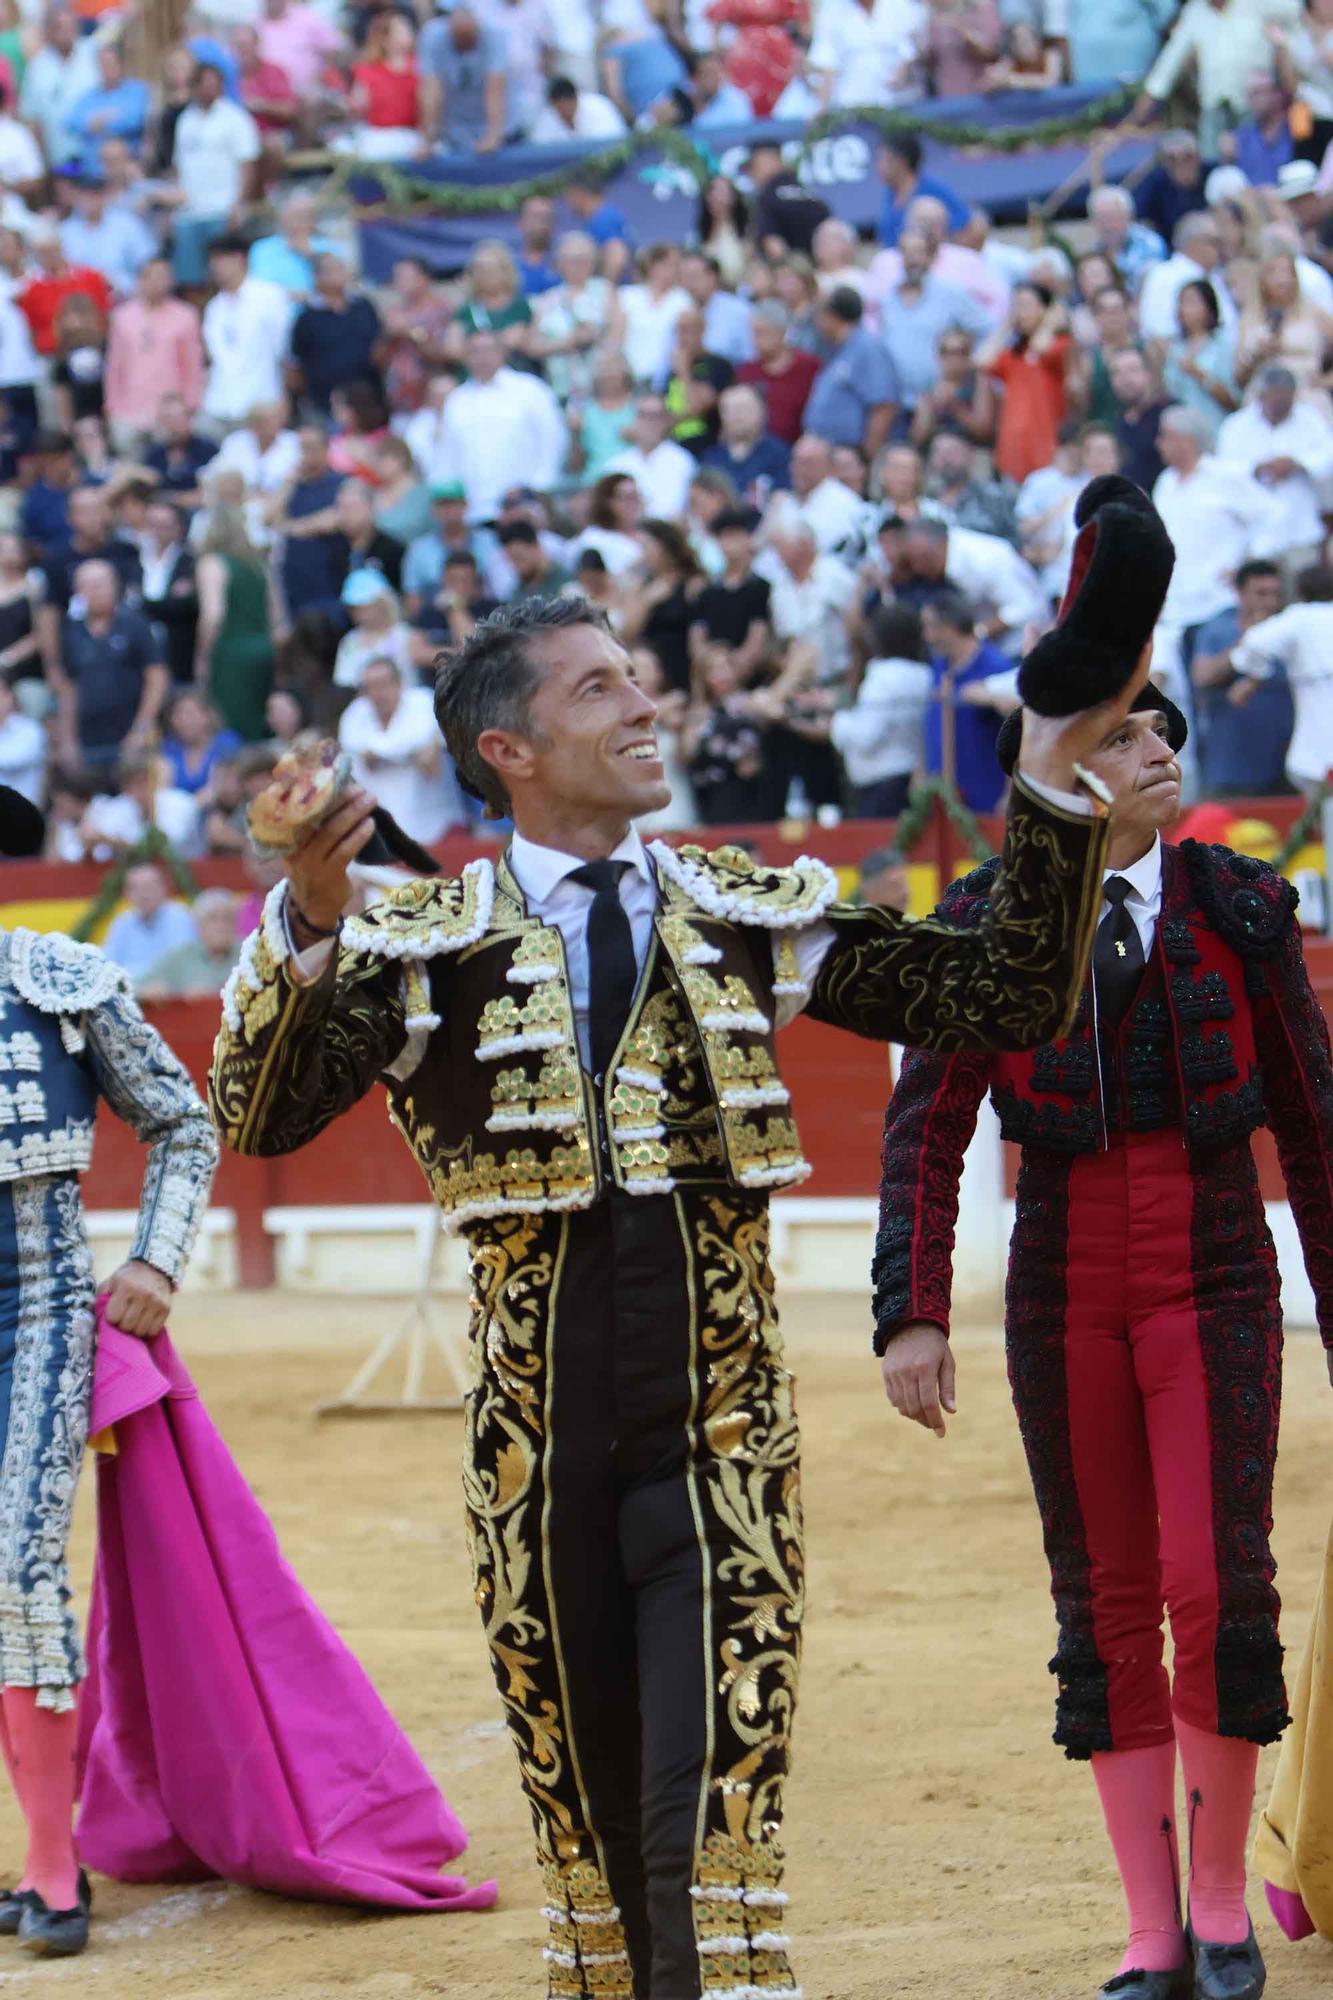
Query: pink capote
225	1729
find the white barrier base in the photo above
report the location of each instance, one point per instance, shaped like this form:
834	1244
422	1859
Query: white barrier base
211	1269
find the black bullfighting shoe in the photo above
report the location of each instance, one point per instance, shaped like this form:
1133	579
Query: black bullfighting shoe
1177	1985
1227	1971
13	1902
53	1933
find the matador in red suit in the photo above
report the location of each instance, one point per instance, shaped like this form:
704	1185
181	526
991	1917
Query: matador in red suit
1143	1330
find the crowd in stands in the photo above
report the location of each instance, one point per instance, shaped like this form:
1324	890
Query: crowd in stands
823	487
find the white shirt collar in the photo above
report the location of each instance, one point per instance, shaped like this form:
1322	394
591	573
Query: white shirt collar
539	871
1144	876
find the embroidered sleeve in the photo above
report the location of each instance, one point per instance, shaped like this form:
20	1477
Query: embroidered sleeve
1011	982
290	1059
147	1086
1291	1034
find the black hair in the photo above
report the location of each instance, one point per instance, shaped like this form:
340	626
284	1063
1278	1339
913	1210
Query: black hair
904	146
516	531
895	633
560	89
846	304
1315	585
488	683
1258	566
739	217
954	610
742	519
1208	294
229	246
461	558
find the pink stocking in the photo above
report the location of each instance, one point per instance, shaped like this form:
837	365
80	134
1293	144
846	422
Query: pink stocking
1138	1794
42	1747
1219	1791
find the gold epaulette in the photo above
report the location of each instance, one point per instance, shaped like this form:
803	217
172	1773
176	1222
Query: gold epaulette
729	883
424	918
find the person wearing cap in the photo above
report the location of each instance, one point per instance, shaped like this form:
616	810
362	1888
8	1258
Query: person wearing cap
377	630
1143	1326
100	237
73	1036
423	565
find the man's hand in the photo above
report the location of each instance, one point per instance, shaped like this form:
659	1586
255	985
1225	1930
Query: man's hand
918	1368
1053	744
139	1299
317	867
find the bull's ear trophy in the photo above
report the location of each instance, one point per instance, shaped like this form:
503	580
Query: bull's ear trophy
1118	578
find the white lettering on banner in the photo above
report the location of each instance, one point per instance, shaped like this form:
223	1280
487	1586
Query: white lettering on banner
843	159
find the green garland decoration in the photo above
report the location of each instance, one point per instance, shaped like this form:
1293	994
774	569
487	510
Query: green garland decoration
916	816
1303	830
154	846
402	189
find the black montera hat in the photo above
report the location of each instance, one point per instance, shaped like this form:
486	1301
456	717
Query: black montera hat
1118	578
1148	697
22	826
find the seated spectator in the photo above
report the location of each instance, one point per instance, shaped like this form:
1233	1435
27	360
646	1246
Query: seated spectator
974	679
754	460
651	308
401	497
615	517
835	260
598	217
572	114
883	881
116	107
114	824
154	351
961	43
335	336
639	61
1287	446
1031	363
714	101
1196	254
723	741
387	100
660	468
785	374
199	968
304	518
1216	516
832	512
1026	61
266	92
856	394
785	215
603	426
452	613
285	713
169	586
262	450
358	542
722	228
289	257
393	739
215	151
537	575
360	428
234	657
963	497
90	540
195	742
1283	328
914	314
574	319
54	281
695	380
246	326
1198	367
101	237
23	747
1131	246
44	509
78	372
494	303
423	565
1244	726
153	924
1005	593
1139	409
415	317
726	318
1175	186
1299	640
461	62
1262	144
861	56
178	455
659	606
811	596
377	630
1044	511
881	737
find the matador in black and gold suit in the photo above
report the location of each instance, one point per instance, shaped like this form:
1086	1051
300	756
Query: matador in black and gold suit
631	1458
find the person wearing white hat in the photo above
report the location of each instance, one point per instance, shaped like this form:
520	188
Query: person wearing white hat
378	631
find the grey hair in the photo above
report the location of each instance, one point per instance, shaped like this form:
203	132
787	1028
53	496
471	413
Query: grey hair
1188	423
1197	223
210	900
488	683
1118	197
773	313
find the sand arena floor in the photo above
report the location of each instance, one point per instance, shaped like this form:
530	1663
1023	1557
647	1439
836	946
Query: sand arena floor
939	1844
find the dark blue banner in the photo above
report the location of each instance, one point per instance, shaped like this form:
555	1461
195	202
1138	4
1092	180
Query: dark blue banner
658	196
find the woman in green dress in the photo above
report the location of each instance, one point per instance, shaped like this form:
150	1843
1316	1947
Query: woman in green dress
493	303
237	624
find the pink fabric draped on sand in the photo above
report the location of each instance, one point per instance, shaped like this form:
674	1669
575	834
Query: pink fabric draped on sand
226	1730
1293	1849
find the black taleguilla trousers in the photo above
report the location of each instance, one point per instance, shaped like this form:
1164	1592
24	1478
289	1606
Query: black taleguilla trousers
633	1497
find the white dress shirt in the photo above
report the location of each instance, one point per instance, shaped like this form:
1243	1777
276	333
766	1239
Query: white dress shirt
1144	901
1217	516
1162	286
495	428
663	476
245	338
1305	436
595	117
1301	637
990	570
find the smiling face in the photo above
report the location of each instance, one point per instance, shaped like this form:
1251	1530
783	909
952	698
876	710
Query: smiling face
589	751
1138	766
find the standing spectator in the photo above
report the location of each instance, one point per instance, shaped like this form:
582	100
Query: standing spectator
20	653
195	742
1131	246
1216	515
536	233
108	674
23	747
153	925
1196	253
970	677
1116	38
733	609
865	52
377	630
306	522
335	337
44	508
1299	639
575	318
1139	408
695	379
835	259
234	646
499	419
752	458
615	518
402	498
963	38
713	100
54	281
856	395
1288	447
1175	186
387	100
115	823
598	217
1032	367
100	237
262	450
881	737
116	107
726	319
179	455
785	375
397	754
1262	144
78	373
91	539
723	743
20	373
300	41
154	350
538	575
524	27
245	335
360	428
916	312
811	596
572	113
198	970
1199	365
722	226
785	215
1005	593
288	257
651	308
1244	725
415	317
1225	42
170	593
900	171
660	468
819	501
462	68
60	74
263	89
361	544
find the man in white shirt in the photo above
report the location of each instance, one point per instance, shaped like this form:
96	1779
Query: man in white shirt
1288	447
392	737
1215	513
528	34
660	468
1196	253
811	596
838	518
651	309
575	114
1301	640
985	569
59	73
865	51
500	419
216	145
21	165
726	317
23	748
262	450
245	326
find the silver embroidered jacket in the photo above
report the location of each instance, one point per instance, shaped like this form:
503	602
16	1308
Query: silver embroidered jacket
70	1033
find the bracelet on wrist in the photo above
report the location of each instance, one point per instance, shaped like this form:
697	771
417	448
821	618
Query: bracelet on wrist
303	922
